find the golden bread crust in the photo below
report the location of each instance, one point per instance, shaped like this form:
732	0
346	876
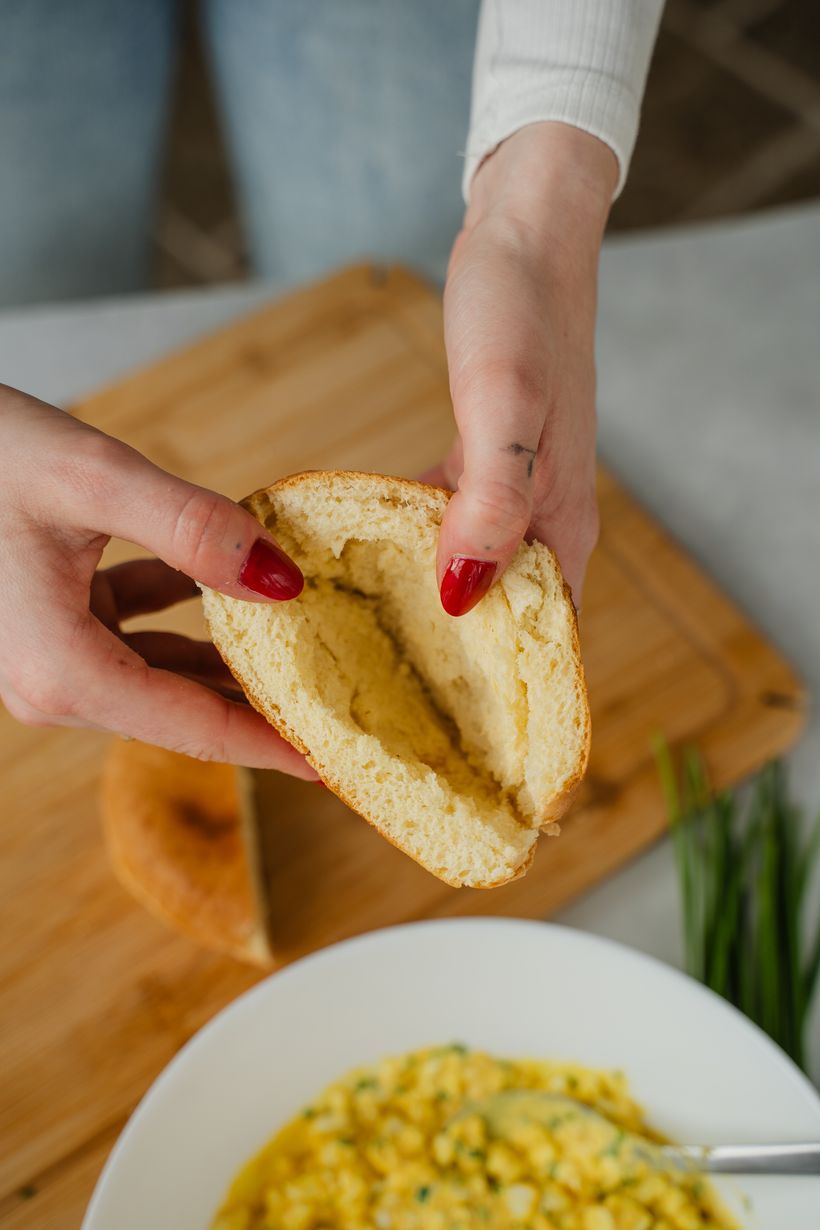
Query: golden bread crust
175	832
259	504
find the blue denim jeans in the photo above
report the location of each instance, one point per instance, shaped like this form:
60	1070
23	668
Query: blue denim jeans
345	121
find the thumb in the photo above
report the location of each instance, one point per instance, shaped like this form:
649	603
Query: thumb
117	491
491	510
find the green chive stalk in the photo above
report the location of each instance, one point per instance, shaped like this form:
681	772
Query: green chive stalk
744	870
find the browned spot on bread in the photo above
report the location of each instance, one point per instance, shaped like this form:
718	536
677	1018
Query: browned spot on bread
781	700
198	817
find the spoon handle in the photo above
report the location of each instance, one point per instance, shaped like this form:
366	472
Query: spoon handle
746	1159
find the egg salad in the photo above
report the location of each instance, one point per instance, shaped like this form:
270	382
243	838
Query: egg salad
403	1145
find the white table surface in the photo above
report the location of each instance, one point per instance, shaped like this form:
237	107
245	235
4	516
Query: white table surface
709	394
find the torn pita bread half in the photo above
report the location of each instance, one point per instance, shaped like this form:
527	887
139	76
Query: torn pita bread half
182	840
458	739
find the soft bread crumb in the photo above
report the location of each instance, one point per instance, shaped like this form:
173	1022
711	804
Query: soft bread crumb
457	738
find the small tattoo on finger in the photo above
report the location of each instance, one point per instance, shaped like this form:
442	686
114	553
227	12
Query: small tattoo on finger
518	450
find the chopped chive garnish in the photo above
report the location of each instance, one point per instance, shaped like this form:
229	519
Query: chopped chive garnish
614	1148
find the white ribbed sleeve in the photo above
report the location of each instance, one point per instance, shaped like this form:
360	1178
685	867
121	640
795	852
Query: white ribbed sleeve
583	62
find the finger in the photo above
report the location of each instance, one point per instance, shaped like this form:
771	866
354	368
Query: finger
448	472
198	661
491	510
105	681
434	477
113	489
571	530
141	586
102	601
172	651
231	690
28	715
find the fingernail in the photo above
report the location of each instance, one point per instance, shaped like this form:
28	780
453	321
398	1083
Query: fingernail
465	582
269	572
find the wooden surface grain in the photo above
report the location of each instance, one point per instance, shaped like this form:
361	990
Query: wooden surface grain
95	997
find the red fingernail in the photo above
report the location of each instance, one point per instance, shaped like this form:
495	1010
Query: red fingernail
465	582
271	573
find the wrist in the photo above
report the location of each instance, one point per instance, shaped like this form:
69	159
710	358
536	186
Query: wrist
549	181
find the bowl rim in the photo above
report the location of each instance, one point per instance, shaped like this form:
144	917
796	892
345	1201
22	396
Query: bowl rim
294	970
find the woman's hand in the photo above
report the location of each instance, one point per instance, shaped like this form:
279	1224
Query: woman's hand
519	318
64	661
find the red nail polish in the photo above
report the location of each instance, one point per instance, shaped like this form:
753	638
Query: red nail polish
271	573
465	583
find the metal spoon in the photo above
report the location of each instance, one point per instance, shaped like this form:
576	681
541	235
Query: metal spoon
503	1111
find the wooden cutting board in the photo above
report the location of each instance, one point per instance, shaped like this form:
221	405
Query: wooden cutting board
95	997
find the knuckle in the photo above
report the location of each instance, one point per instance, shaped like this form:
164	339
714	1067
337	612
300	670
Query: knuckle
24	713
93	466
201	525
49	697
503	507
100	451
524	385
506	380
216	750
216	742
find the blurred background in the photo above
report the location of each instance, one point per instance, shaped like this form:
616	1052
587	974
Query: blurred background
731	124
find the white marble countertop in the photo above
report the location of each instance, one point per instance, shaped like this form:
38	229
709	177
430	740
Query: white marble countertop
709	392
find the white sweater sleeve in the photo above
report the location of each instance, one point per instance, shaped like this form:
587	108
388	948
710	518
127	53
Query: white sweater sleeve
583	62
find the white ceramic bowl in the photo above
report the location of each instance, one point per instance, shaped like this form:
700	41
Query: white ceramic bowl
703	1072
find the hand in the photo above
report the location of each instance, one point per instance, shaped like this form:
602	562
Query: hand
519	322
64	661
